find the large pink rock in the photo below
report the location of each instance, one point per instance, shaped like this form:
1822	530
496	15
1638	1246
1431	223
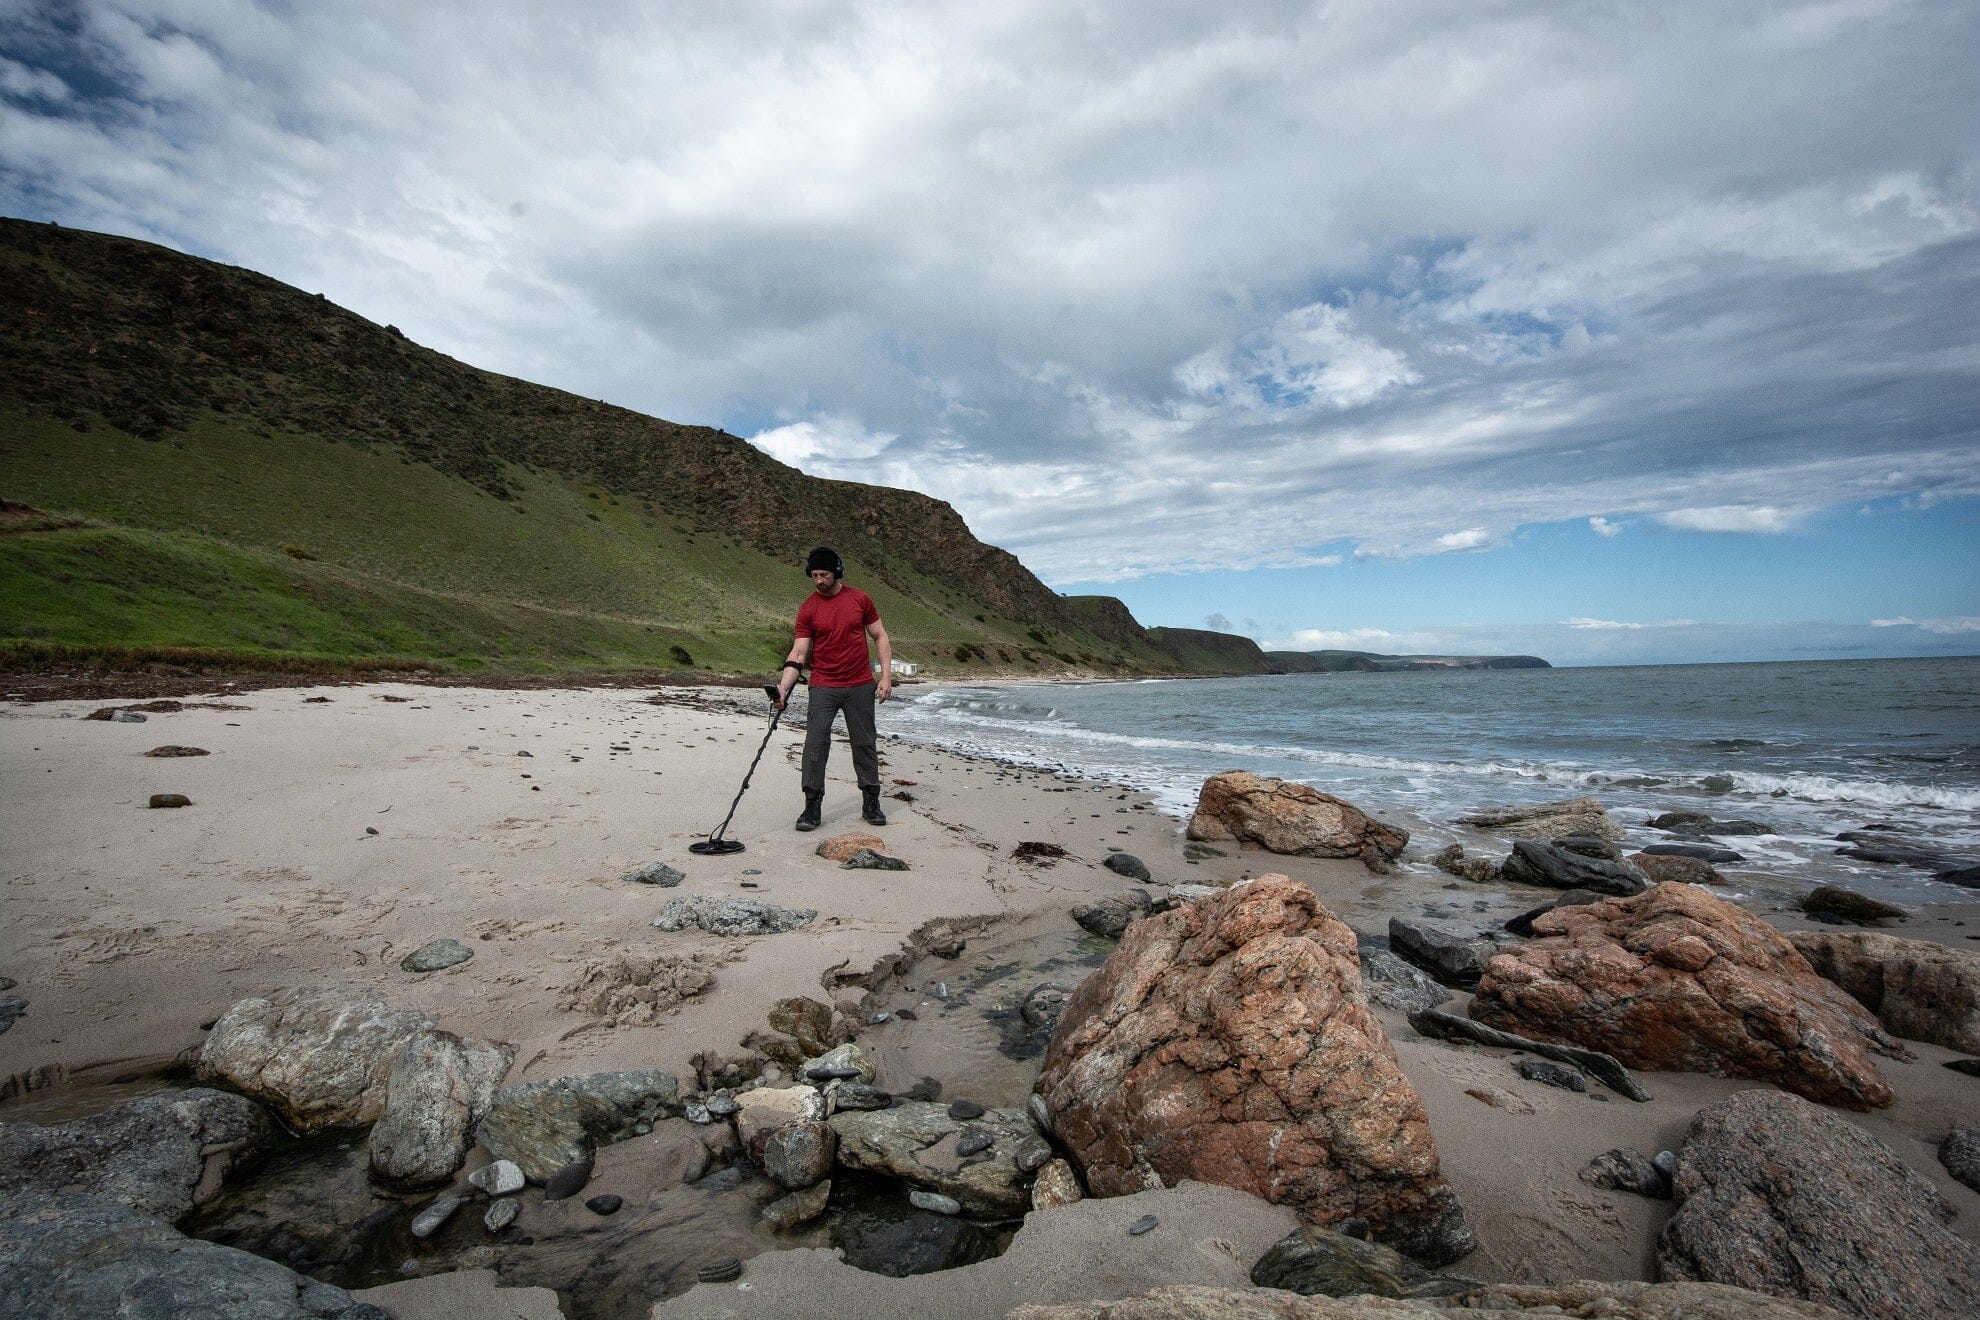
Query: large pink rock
1229	1041
1678	979
1290	818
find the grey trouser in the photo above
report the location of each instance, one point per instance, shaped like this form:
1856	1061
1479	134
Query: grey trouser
821	704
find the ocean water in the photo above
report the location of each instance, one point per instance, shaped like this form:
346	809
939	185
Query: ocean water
1809	749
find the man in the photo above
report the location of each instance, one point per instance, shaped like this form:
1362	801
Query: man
833	625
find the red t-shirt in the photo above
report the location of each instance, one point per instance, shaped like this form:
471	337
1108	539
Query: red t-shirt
836	626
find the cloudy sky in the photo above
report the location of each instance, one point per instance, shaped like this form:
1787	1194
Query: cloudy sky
1607	331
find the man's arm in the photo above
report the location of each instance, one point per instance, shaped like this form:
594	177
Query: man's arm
787	680
878	632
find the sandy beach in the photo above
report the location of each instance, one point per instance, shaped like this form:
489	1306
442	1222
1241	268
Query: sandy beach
334	830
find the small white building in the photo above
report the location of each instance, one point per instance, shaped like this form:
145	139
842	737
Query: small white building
904	669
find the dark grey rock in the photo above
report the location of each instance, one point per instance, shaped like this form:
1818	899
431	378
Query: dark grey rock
897	1240
1625	1170
546	1125
1898	853
11	1009
800	1155
1553	1074
176	749
965	1109
1535	863
1960	1153
1145	1224
1833	900
1324	1262
1452	958
1043	1004
725	1270
1393	983
1967	877
501	1214
170	800
1785	1197
1201	852
428	1221
653	873
1971	1067
75	1257
868	860
1127	864
1703	852
567	1181
1671	820
1109	917
974	1143
1589	845
732	916
856	1095
1522	924
160	1155
436	955
1603	1067
606	1204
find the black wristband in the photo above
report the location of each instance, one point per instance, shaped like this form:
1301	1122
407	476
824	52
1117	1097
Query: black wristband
792	664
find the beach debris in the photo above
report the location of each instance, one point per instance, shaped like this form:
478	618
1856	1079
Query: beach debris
725	1270
1057	1184
636	985
1556	1075
605	1204
1624	1169
1960	1154
916	1142
428	1221
436	955
501	1214
1452	958
1604	1068
1533	862
1547	821
799	1155
1108	917
1777	1194
440	1086
1129	866
169	800
1681	980
1290	818
732	916
175	749
1285	1048
655	873
163	1155
1037	852
1849	905
866	859
934	1202
1918	990
1452	860
498	1178
568	1180
1394	984
543	1126
841	847
1324	1262
320	1057
800	1207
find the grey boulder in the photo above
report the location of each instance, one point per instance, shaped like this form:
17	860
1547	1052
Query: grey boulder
320	1058
1319	1262
1127	864
1109	917
1536	863
436	955
655	873
731	916
1453	959
1582	816
543	1126
439	1088
1393	983
916	1142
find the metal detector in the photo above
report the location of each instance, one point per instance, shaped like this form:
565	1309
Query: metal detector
715	844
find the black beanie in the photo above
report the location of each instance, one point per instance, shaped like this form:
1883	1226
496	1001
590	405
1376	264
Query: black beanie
827	558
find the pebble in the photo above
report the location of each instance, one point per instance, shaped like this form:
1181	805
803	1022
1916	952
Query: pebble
499	1178
428	1221
502	1214
1553	1074
831	1074
371	829
974	1143
170	800
607	1204
722	1106
1145	1224
965	1109
879	1018
935	1202
127	717
906	1015
531	755
697	1114
567	1181
720	1271
941	990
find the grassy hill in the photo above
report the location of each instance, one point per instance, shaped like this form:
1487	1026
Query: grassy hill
1369	662
199	457
1199	651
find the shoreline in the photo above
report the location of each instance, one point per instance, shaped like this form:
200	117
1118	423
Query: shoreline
127	927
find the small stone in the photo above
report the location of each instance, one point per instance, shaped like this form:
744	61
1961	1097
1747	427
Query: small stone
371	829
1041	1117
126	717
963	1110
499	1178
816	1074
934	1202
427	1222
722	1105
856	1095
530	755
501	1214
170	800
720	1271
868	860
606	1204
1127	864
436	956
974	1143
1625	1170
1145	1224
174	749
1553	1074
907	1015
798	1207
697	1114
1971	1067
567	1181
655	873
1055	1186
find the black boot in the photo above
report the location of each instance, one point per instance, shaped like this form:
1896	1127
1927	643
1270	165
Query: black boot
869	807
808	819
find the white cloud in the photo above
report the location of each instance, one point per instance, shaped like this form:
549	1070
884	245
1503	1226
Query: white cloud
1899	622
825	444
1468	539
1734	518
1604	528
1614	625
1334	639
1951	627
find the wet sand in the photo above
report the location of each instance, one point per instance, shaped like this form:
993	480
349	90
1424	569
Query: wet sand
127	927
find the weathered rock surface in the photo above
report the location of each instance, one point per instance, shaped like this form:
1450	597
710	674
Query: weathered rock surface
917	1142
1849	905
807	1022
1780	1196
1522	925
1625	1169
847	1062
1229	1042
731	916
1108	917
1389	981
1057	1184
1452	860
1452	957
800	1207
69	1257
1917	989
439	1088
870	859
436	956
1318	1262
1681	980
1613	1301
161	1155
1960	1154
1290	818
319	1057
841	847
769	1109
1685	870
1533	862
655	873
1547	820
543	1126
800	1155
1703	852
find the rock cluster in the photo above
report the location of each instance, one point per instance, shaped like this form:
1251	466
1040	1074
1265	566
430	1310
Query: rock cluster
1680	980
1290	818
1228	1041
546	1126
